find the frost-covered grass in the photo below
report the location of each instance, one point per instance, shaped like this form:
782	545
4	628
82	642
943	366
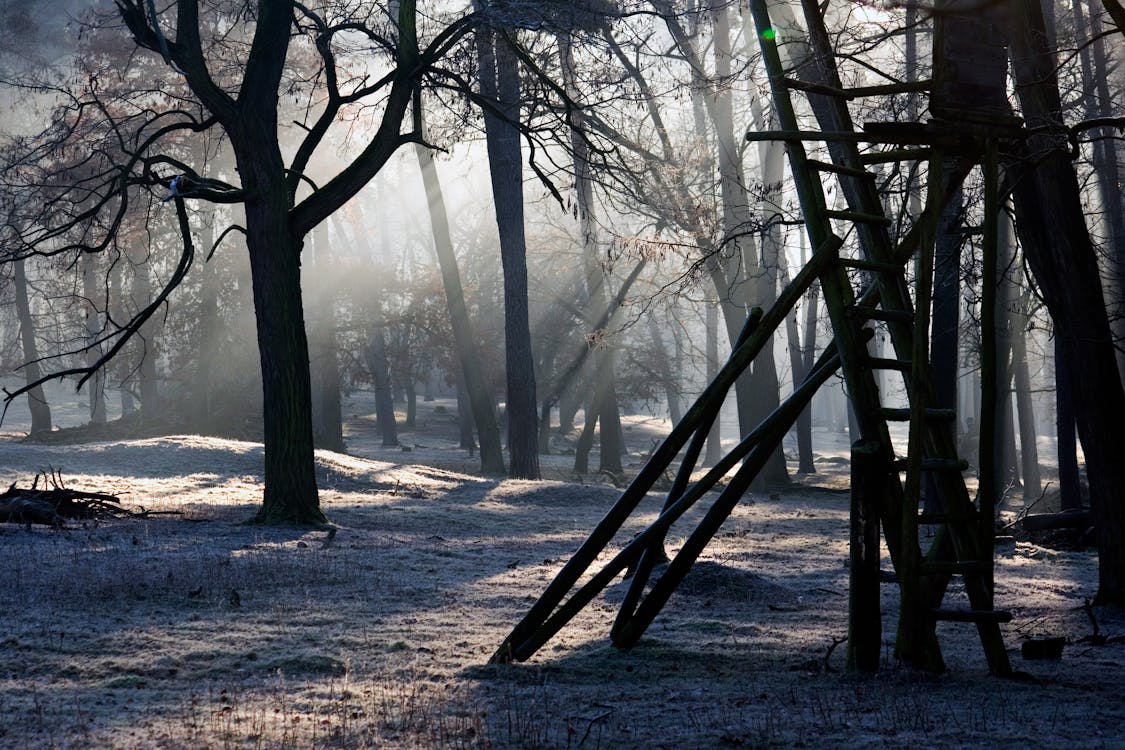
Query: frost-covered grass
199	631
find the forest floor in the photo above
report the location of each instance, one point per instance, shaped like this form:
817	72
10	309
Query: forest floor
199	631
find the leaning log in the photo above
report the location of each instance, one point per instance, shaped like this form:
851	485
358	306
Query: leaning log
1066	519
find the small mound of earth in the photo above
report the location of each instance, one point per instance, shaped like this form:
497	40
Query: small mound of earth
714	580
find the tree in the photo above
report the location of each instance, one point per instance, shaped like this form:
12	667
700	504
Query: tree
280	202
500	86
471	376
1056	241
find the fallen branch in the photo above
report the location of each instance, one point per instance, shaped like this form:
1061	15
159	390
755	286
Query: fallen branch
56	503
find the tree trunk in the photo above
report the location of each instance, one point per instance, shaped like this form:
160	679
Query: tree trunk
596	293
806	460
670	386
945	322
96	384
471	376
381	376
146	350
36	400
411	388
744	271
586	437
429	391
464	416
1029	451
612	444
763	378
1066	437
714	450
1007	457
290	495
204	379
1059	251
500	85
800	366
733	263
569	404
1099	103
324	364
122	368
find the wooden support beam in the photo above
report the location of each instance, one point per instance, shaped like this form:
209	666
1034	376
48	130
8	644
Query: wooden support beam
894	155
877	266
989	367
603	533
858	218
865	626
765	436
878	313
858	92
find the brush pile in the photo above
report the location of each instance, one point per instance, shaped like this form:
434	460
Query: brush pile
56	503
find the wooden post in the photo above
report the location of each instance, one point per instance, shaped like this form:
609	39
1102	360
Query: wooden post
989	367
865	628
913	643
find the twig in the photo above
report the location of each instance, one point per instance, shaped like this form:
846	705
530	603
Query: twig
1027	509
590	725
828	654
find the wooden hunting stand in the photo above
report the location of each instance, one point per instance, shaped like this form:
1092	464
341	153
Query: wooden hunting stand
967	128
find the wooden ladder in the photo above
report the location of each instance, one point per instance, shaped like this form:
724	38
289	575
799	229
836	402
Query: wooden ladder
963	543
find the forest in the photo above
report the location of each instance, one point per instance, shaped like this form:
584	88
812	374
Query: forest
544	374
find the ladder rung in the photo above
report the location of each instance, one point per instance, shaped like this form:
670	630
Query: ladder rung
878	313
827	166
903	415
953	567
863	264
933	464
857	217
896	154
859	92
878	363
886	89
971	615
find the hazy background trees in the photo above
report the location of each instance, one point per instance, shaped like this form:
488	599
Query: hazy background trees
602	149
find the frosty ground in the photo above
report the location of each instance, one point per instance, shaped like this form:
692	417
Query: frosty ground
197	630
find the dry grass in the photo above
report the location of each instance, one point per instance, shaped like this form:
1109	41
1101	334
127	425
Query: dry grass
201	632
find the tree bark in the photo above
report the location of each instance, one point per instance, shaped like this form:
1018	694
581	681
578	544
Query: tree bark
596	296
145	349
945	321
800	363
763	378
1059	251
381	376
205	382
1029	450
290	494
1066	436
96	384
1099	103
324	363
714	451
500	85
670	385
464	416
464	337
36	399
